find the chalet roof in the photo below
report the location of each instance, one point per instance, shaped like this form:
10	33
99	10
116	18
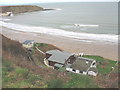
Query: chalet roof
28	41
58	56
82	64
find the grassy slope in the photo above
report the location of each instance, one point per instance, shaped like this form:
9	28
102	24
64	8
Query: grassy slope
17	77
104	65
24	74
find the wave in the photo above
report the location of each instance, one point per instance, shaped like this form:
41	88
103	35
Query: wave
58	9
59	32
1	19
86	25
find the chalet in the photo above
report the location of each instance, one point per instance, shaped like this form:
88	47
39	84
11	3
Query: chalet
83	66
76	64
28	44
57	59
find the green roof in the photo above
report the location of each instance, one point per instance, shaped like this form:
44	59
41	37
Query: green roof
58	56
81	64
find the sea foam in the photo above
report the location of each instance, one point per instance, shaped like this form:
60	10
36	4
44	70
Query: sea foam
60	32
86	25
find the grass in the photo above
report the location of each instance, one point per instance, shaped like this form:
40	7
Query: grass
104	65
80	81
56	83
33	78
62	69
6	69
21	72
39	44
22	84
17	77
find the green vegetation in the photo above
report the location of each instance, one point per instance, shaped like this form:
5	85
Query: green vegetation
39	44
56	83
104	65
80	81
6	67
20	8
62	69
33	78
17	77
21	72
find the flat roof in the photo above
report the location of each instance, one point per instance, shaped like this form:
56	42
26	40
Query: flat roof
81	64
58	56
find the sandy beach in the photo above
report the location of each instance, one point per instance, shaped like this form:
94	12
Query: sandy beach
109	51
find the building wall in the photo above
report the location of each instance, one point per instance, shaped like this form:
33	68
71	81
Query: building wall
47	63
47	55
92	73
51	63
28	45
70	60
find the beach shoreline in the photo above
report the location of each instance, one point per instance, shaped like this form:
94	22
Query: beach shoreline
108	51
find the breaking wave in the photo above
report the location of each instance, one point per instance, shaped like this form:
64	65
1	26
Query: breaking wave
60	32
86	25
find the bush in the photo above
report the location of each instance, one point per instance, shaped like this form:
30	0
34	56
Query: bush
21	84
39	44
7	66
22	72
33	78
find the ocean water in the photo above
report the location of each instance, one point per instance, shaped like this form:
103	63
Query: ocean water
82	21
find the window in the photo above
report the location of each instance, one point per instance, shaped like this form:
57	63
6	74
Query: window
93	63
81	71
74	70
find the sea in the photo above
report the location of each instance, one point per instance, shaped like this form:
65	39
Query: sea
81	21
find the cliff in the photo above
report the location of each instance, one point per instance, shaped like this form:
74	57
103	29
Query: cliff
20	9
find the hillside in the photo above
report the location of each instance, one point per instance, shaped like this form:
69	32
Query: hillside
20	9
19	72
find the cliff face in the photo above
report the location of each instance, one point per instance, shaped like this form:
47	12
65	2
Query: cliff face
20	9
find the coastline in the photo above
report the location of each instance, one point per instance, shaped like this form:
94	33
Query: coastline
108	51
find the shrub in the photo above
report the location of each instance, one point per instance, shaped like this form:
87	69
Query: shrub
7	66
22	72
33	78
21	84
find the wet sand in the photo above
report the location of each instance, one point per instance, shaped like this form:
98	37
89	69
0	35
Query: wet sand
109	51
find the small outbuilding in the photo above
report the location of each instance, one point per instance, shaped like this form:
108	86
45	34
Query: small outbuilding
28	44
76	64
